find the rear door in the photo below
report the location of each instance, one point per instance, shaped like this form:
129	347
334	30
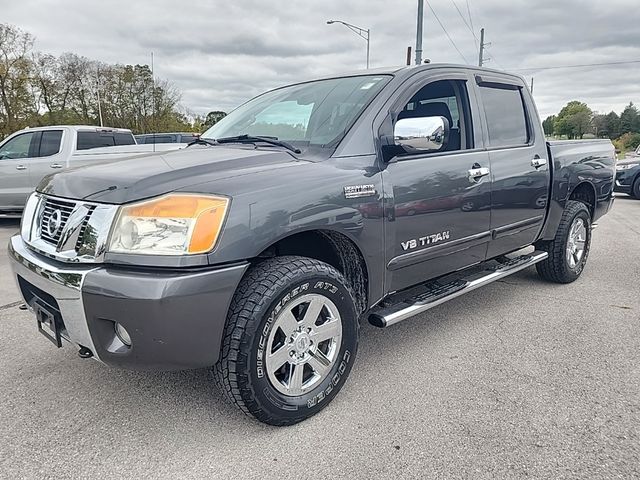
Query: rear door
437	216
519	164
16	156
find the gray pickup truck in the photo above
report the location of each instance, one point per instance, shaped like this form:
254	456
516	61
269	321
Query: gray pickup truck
258	249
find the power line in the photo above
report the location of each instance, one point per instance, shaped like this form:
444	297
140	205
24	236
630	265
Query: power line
447	33
465	22
470	18
553	67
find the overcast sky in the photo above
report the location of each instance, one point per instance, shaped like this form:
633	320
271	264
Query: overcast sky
221	53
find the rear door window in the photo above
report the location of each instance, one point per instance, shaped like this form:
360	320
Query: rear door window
50	143
506	117
124	138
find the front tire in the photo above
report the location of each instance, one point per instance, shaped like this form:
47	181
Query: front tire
290	340
569	250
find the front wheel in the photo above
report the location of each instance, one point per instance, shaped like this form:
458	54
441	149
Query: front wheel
569	250
290	340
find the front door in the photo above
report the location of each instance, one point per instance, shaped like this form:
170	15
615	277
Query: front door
438	215
519	167
15	185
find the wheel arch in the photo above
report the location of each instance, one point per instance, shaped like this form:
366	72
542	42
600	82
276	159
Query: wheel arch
585	192
332	247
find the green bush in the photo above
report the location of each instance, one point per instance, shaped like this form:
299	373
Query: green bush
628	141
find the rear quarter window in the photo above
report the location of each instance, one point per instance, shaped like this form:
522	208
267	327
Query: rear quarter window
506	117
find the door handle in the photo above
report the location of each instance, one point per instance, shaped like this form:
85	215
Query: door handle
538	162
55	165
20	167
475	174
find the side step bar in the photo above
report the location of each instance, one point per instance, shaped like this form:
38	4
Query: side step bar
436	293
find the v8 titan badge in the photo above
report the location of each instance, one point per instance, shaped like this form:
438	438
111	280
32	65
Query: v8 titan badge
359	191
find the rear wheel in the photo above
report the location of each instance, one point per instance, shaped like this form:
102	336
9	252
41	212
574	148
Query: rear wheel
635	189
569	250
290	340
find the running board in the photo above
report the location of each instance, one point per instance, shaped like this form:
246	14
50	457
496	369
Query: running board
436	293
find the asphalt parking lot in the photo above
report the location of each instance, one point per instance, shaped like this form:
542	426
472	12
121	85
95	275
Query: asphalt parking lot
519	379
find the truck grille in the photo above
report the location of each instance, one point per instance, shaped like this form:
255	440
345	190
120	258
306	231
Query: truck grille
67	230
80	244
54	218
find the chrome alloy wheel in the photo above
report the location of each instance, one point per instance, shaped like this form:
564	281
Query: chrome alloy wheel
576	242
303	344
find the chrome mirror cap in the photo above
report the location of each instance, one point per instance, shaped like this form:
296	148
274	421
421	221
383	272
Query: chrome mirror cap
426	134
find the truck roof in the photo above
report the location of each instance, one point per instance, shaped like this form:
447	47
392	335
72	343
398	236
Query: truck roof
407	70
80	127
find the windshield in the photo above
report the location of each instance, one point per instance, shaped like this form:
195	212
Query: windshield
315	113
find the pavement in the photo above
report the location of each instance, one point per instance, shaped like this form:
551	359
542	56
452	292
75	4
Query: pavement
518	379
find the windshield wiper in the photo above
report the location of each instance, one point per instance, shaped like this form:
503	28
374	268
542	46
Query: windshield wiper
202	141
258	138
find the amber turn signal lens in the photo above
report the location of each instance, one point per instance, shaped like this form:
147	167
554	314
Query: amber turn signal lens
158	224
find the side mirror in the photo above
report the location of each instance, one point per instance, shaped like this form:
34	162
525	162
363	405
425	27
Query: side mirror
423	134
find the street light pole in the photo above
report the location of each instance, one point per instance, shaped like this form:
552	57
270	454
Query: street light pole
361	32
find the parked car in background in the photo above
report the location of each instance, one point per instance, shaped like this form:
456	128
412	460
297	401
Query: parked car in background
166	137
29	155
628	176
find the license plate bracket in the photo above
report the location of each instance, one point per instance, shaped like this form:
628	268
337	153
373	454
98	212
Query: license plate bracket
48	324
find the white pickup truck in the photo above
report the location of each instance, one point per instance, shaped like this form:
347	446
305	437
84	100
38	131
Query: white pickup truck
29	155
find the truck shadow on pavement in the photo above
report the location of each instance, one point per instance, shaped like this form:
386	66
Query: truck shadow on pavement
192	398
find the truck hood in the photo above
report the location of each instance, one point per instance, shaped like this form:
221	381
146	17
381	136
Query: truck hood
126	180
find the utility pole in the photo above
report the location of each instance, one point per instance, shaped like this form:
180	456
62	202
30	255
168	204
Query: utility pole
419	32
98	95
481	54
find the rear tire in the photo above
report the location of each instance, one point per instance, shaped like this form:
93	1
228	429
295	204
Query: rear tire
290	340
569	250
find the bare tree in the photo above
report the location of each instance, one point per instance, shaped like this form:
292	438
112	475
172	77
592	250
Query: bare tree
16	100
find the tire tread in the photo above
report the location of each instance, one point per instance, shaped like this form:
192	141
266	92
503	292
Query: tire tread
254	290
554	268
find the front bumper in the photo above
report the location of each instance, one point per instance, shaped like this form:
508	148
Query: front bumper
625	179
175	318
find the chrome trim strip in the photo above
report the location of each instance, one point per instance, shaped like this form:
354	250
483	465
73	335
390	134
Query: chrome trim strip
516	227
64	284
416	308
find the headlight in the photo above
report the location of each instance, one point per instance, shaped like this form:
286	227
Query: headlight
626	166
177	224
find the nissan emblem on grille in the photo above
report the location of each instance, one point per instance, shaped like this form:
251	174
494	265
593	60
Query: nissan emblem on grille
54	223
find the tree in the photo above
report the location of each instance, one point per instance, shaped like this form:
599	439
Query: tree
548	124
574	120
612	125
630	119
213	118
17	103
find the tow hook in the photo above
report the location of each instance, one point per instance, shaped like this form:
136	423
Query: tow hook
84	352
